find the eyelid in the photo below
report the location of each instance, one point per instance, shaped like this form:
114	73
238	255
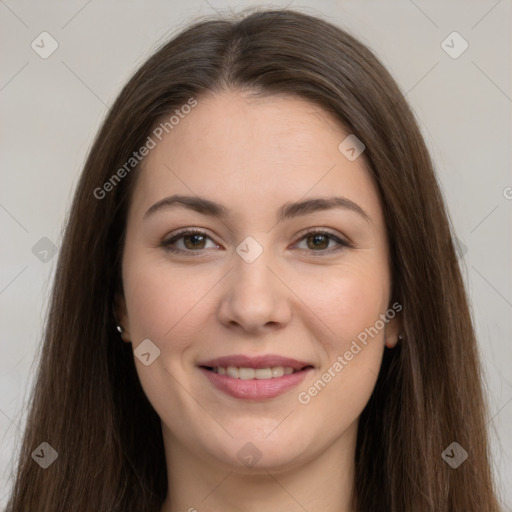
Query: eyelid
166	243
341	240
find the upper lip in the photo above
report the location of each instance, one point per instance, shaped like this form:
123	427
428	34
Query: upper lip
262	361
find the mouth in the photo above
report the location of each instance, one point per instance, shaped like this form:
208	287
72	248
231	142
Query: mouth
247	373
256	378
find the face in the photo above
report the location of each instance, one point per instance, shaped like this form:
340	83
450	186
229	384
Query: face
284	286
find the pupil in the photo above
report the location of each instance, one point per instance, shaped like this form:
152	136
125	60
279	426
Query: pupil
189	237
318	238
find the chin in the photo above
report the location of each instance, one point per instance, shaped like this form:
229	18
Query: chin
253	453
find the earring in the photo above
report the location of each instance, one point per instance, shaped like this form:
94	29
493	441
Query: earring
400	337
119	328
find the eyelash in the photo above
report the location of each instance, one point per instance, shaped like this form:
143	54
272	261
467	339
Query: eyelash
342	244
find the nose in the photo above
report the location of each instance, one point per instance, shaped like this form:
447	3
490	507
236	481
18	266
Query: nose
255	297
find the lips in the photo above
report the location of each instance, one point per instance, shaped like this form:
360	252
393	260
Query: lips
254	378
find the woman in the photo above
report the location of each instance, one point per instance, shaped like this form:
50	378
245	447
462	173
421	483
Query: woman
258	303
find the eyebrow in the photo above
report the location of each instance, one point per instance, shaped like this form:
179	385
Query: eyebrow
287	211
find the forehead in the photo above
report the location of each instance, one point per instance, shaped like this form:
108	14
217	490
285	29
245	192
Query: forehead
246	151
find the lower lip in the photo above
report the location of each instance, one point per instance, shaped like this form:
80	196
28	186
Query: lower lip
255	389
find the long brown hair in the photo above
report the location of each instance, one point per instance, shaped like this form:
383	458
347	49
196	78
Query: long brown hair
87	402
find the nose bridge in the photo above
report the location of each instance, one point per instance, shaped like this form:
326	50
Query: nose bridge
252	259
254	296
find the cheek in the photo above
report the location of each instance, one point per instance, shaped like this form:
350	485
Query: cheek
350	302
351	306
158	299
352	349
170	306
161	304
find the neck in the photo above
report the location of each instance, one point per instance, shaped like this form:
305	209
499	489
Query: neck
322	484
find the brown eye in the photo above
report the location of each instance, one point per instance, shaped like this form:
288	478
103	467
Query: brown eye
191	241
194	241
318	241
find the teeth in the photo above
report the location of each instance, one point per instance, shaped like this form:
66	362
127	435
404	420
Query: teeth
254	373
263	373
277	371
246	373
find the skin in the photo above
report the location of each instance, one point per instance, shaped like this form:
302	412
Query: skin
253	155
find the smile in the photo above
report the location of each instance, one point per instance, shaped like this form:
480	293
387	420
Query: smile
254	384
253	373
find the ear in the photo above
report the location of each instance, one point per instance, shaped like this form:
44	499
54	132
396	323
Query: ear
122	316
393	328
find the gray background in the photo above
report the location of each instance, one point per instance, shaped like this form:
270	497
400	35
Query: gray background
51	109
